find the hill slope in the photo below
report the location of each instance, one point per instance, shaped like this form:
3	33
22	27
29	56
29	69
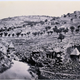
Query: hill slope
29	33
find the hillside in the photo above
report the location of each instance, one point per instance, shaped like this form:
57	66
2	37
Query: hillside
29	33
52	38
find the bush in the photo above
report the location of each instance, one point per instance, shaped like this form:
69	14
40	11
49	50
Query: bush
61	37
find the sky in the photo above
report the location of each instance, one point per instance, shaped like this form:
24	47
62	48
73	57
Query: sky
25	8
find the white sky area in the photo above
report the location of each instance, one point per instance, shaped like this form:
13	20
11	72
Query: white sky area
50	8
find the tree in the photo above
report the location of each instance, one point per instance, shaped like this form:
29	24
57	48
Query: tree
13	34
34	33
41	33
46	20
53	18
24	25
72	29
61	37
64	16
71	19
58	31
65	30
41	22
5	33
55	29
1	34
9	35
78	26
5	28
38	33
75	12
50	32
21	34
18	33
68	14
77	30
75	16
47	28
57	23
31	25
28	33
1	29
